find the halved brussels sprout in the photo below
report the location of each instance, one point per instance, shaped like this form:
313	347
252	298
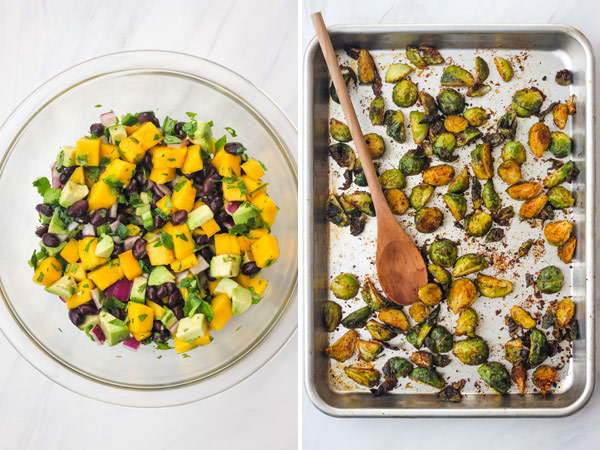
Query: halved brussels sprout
430	294
376	110
439	274
491	199
394	317
372	297
360	179
339	131
362	375
566	251
348	75
527	102
481	161
392	179
507	125
368	350
394	122
418	311
493	287
427	220
475	116
439	340
560	115
430	55
539	138
509	172
564	77
422	359
466	323
564	312
443	146
397	72
419	130
436	128
532	207
560	197
375	144
397	201
417	334
482	70
468	264
478	90
455	76
543	378
420	195
366	67
379	331
397	368
524	191
405	93
567	172
522	317
496	376
457	205
343	155
514	151
524	248
558	233
461	183
550	280
455	124
361	201
427	376
450	101
443	252
428	102
343	348
504	68
335	213
513	351
478	223
332	315
471	351
502	216
345	286
439	175
539	348
357	319
413	55
462	294
560	144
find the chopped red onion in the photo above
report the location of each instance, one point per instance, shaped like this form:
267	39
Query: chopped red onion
88	230
63	299
108	118
163	188
95	293
98	334
200	267
228	222
117	240
128	242
72	226
131	343
232	207
181	275
175	181
114	226
119	290
112	212
55	177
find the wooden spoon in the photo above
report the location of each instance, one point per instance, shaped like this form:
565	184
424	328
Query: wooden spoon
400	266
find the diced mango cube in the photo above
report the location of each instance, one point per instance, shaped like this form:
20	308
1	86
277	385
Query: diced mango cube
162	176
87	152
221	306
253	169
227	244
87	253
131	129
101	196
70	252
210	227
78	176
257	233
83	294
229	165
183	242
184	346
265	251
164	157
166	205
76	271
133	230
147	135
108	151
193	160
234	191
258	284
185	263
212	285
141	319
217	158
120	170
159	254
48	271
107	274
130	265
268	208
131	150
254	187
244	243
184	194
159	311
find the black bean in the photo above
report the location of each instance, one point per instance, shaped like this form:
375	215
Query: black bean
82	219
99	217
207	186
215	204
198	177
79	235
209	277
68	170
160	194
88	309
201	239
117	250
147	161
175	298
76	317
139	249
148	116
151	293
207	254
118	313
164	335
140	179
178	129
50	240
250	268
232	147
132	187
179	217
122	217
44	209
162	291
157	325
158	222
97	129
63	178
78	208
40	231
171	287
178	311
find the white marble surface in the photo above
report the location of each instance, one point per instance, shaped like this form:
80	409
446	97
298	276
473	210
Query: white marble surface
257	39
580	431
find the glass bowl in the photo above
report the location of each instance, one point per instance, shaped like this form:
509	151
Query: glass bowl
60	112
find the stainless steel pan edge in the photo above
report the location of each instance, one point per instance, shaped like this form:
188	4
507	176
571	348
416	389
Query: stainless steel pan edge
315	383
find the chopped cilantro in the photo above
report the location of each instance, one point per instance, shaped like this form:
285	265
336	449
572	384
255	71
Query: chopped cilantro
40	277
168	202
185	355
87	331
169	126
262	186
182	237
170	139
181	183
105	161
129	119
262	165
93	173
42	185
141	317
82	159
98	106
156	137
220	143
166	240
112	303
189	128
87	247
117	322
191	115
122	231
163	346
231	131
255	297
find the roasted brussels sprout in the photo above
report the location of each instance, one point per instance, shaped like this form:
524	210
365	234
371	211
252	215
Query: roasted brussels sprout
527	102
539	349
566	251
413	55
478	90
495	235
450	102
372	297
560	197
493	287
522	317
422	359
427	376
405	93
397	368
482	70
362	375
379	331
502	216
455	124
397	72
392	179
357	319
560	115
368	350
550	280
476	194
509	172
457	205
394	122
361	201
428	102
491	199
507	125
455	76
339	131
419	130
524	190
332	315
444	145
359	178
462	294
417	334
567	172
393	317
430	55
514	151
466	323
418	311
504	68
375	144
420	195
367	71
345	286
376	110
443	252
427	220
524	248
564	77
539	138
478	223
439	274
430	294
468	264
461	183
334	212
413	162
471	351
343	348
513	351
439	175
343	155
558	233
543	378
496	376
397	201
564	312
357	224
532	207
439	340
560	144
481	161
348	75
475	116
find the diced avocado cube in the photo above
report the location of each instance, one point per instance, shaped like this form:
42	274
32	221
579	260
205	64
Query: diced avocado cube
226	286
141	210
245	213
241	300
105	246
66	156
202	135
71	193
191	328
199	217
117	133
90	320
114	329
51	196
53	251
169	319
138	290
64	287
148	220
145	198
225	266
56	225
160	275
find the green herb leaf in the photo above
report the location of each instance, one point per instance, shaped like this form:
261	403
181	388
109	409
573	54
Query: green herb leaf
141	317
93	173
220	143
191	115
117	322
129	120
231	131
170	139
42	184
189	128
82	159
163	346
169	126
122	231
112	303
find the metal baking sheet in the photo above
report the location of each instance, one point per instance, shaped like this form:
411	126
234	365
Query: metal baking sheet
536	53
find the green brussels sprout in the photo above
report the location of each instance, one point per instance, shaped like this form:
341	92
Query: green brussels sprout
524	248
392	179
439	340
430	294
457	205
419	130
397	368
394	122
417	334
507	125
335	213
493	287
451	393
509	172
450	101
362	375
539	348
468	264
368	350
372	297
430	55
397	72
471	351
560	197
560	144
496	376
482	70
543	378
455	76
332	315
343	348
422	359
567	172
478	223
521	317
397	201
379	331
524	190
443	252
461	183
428	102
567	250
462	294
420	195
527	102
478	90
393	317
427	376
360	179
564	77
558	233
564	312
476	194
439	175
343	155
466	323
560	115
361	201
444	145
413	55
504	68
502	216
466	137
476	116
532	207
339	131
348	75
550	280
539	138
367	72
491	199
481	161
439	274
357	319
405	93
514	151
513	351
345	286
376	110
413	162
418	311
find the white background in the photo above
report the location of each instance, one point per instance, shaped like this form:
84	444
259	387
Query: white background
257	39
580	431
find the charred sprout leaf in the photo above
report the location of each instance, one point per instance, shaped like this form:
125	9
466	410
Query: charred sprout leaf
443	147
564	312
519	376
504	68
493	139
475	116
560	198
357	319
440	360
430	55
460	184
560	144
507	125
339	131
393	317
567	172
347	180
427	376
420	195
392	179
450	394
394	122
509	172
332	315
457	205
478	90
491	199
542	114
482	70
522	317
571	109
366	67
405	93
436	126
368	350
502	216
564	77
343	348
422	359
397	201
539	349
478	223
397	72
361	201
348	75
343	155
379	331
455	76
566	251
345	286
413	55
543	377
558	233
440	340
550	280
527	102
468	264
495	235
462	294
413	162
419	130
357	224
397	368
524	190
481	161
363	375
493	287
546	214
430	294
443	252
532	207
439	175
514	151
428	102
466	323
471	351
385	387
548	319
513	351
439	274
524	248
496	376
450	102
376	111
335	213
372	297
560	115
539	138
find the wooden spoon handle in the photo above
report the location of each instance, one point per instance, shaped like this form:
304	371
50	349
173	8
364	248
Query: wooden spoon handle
358	138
